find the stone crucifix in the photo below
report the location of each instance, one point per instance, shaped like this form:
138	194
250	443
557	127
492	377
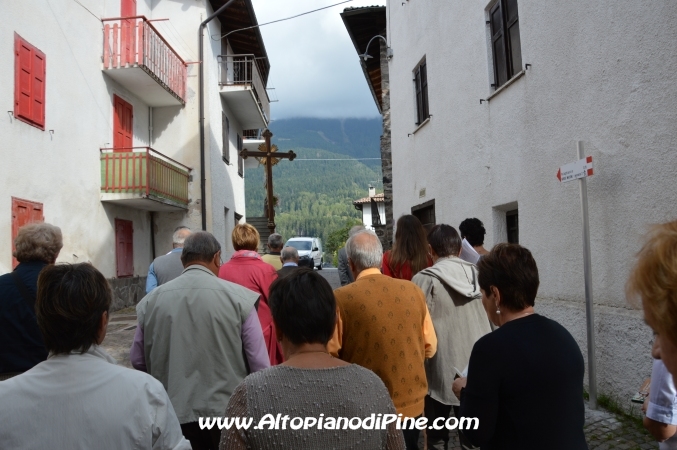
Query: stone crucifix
269	156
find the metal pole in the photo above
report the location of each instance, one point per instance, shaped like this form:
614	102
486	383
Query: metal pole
587	264
201	100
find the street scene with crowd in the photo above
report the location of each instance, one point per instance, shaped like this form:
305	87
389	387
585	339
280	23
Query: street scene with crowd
415	332
338	224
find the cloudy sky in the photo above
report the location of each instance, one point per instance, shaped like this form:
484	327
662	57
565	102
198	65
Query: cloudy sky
314	66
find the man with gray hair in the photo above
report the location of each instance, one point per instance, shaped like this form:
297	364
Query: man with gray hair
200	336
167	267
274	248
290	261
21	346
345	275
383	324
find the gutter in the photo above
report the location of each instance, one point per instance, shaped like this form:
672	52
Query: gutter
203	179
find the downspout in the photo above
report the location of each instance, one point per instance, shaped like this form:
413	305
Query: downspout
203	178
152	233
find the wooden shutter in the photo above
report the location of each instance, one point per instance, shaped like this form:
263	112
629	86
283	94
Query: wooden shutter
498	45
29	83
225	151
23	213
240	160
512	26
424	91
123	123
124	248
417	87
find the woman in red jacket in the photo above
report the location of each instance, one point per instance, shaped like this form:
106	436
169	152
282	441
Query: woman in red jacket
247	269
410	252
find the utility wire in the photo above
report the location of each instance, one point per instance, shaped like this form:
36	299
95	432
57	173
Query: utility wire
97	17
333	159
279	20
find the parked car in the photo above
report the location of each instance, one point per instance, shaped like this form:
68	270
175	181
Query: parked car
310	251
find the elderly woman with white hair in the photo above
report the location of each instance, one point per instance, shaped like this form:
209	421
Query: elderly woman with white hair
21	344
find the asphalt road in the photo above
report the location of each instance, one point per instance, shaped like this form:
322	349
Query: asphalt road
331	275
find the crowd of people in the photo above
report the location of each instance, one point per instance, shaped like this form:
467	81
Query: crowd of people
416	332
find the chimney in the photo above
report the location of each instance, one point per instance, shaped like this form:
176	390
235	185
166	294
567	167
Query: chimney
372	191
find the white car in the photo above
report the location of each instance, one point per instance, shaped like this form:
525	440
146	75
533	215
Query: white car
310	251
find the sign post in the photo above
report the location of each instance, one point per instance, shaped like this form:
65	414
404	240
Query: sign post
581	170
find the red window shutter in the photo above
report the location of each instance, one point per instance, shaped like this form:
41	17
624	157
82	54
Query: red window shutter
38	88
29	83
123	123
23	213
124	248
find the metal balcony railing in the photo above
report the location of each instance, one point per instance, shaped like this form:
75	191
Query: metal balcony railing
134	41
142	170
252	134
244	70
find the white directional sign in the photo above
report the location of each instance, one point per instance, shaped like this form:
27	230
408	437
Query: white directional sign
575	170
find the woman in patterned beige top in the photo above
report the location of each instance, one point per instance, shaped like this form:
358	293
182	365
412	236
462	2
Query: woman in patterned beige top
310	383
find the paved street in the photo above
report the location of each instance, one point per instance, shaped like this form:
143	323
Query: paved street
331	275
603	430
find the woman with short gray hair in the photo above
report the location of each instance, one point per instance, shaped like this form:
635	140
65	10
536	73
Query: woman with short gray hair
21	344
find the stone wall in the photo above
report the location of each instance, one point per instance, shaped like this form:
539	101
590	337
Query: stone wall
127	291
386	235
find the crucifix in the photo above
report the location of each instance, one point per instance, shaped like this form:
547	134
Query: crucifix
268	156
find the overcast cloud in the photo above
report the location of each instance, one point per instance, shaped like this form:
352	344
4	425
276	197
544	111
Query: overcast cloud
314	66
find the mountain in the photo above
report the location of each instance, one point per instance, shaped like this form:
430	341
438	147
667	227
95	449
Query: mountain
317	189
359	138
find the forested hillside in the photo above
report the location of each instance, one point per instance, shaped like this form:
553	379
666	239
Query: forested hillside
315	197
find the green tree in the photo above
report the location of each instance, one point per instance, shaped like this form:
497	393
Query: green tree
338	238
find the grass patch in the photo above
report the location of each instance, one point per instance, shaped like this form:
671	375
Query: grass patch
623	409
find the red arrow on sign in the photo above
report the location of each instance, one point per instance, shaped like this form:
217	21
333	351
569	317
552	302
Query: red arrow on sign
559	174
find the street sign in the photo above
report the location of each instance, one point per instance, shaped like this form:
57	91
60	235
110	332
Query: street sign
575	170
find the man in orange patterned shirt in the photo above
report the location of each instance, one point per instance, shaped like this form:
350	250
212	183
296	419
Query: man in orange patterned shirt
383	324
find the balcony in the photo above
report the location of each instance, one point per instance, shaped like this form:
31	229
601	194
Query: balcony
243	89
138	57
142	178
251	140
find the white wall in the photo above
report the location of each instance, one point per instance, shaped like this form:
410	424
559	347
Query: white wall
62	169
604	73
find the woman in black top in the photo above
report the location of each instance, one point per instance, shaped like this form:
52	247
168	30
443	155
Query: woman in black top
525	380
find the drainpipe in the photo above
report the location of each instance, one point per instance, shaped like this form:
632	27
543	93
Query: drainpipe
203	180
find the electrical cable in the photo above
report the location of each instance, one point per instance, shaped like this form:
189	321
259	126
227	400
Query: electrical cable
278	20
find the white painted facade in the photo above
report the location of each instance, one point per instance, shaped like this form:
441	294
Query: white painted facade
61	168
604	73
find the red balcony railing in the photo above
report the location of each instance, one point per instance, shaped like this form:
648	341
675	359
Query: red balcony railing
142	170
134	41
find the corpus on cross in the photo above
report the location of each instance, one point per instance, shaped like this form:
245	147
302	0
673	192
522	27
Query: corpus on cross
269	156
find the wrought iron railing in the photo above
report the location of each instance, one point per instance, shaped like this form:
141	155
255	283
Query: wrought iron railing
252	134
142	170
134	41
244	70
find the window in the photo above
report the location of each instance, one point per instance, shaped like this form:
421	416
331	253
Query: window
29	83
225	130
421	87
505	41
237	217
240	160
512	225
23	213
123	124
124	248
425	212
